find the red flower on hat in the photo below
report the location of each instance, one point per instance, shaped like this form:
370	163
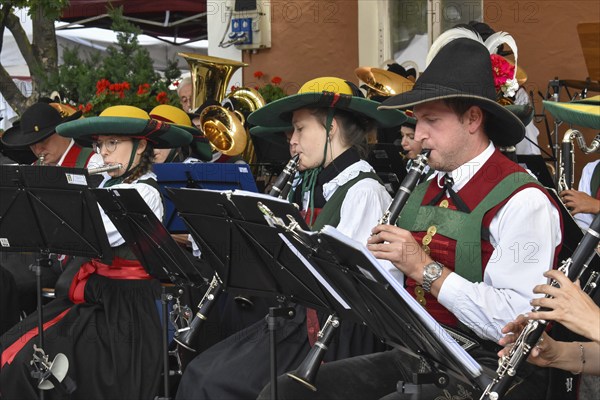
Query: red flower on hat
504	73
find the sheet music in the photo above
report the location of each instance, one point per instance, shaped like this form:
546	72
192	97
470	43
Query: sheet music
245	193
316	273
432	325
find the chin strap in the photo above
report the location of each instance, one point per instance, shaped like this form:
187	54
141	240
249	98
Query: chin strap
119	179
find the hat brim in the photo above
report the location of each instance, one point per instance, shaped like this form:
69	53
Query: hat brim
84	131
580	114
279	112
503	128
262	131
18	138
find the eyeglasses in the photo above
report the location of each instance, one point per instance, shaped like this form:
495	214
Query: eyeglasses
110	145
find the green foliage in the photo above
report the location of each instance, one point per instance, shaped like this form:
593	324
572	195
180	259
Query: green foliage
127	67
50	8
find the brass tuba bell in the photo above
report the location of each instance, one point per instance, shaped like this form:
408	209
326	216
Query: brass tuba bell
380	82
223	128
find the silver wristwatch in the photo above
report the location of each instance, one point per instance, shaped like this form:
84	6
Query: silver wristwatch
431	272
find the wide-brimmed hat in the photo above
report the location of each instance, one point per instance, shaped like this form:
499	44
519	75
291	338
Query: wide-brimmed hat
126	121
326	92
463	69
585	113
38	122
179	118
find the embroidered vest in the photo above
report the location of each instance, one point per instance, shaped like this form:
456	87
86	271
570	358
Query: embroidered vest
330	213
457	239
77	157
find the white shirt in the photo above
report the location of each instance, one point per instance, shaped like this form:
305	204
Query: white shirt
150	195
364	204
584	219
529	142
524	234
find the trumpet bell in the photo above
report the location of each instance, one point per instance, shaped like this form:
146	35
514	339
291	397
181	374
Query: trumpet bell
383	83
224	129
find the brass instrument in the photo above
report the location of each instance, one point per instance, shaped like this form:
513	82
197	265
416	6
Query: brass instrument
380	82
573	267
223	127
566	164
104	168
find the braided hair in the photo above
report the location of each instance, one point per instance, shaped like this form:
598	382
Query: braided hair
145	164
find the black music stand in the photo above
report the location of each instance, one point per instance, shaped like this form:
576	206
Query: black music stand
154	247
221	176
389	310
249	255
49	210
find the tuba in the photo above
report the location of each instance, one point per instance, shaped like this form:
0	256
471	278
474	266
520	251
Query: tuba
566	164
223	127
380	82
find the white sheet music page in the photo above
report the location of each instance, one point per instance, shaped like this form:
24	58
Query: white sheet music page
432	325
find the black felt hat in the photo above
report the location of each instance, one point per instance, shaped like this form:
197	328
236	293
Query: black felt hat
463	69
37	123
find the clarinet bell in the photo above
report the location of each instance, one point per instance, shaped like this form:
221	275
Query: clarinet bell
244	302
58	369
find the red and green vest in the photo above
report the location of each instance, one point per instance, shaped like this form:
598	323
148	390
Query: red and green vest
457	239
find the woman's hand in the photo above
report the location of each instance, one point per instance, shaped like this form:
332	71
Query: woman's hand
545	352
569	305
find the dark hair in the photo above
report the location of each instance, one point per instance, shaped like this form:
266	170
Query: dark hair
460	105
145	165
355	127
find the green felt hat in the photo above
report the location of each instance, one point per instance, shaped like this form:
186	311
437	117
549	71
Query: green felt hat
326	92
126	121
585	113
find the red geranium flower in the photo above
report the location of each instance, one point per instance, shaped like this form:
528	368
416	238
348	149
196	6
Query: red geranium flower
276	80
162	98
258	74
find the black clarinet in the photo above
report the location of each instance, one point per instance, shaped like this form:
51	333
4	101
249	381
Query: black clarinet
185	336
284	181
573	267
406	187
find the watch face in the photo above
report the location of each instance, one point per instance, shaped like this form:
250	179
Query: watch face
432	269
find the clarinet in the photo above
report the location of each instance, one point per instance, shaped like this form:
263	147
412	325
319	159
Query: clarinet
307	371
283	184
406	187
573	267
186	335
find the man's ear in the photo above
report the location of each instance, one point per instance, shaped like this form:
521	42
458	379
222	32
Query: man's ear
474	117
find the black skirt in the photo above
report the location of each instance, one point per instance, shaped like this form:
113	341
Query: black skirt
112	342
239	367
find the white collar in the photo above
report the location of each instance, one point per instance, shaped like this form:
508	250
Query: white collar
65	153
346	175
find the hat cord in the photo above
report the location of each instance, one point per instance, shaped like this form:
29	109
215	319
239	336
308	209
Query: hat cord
119	179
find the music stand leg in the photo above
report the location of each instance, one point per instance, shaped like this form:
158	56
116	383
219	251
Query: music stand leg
164	299
274	313
44	261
